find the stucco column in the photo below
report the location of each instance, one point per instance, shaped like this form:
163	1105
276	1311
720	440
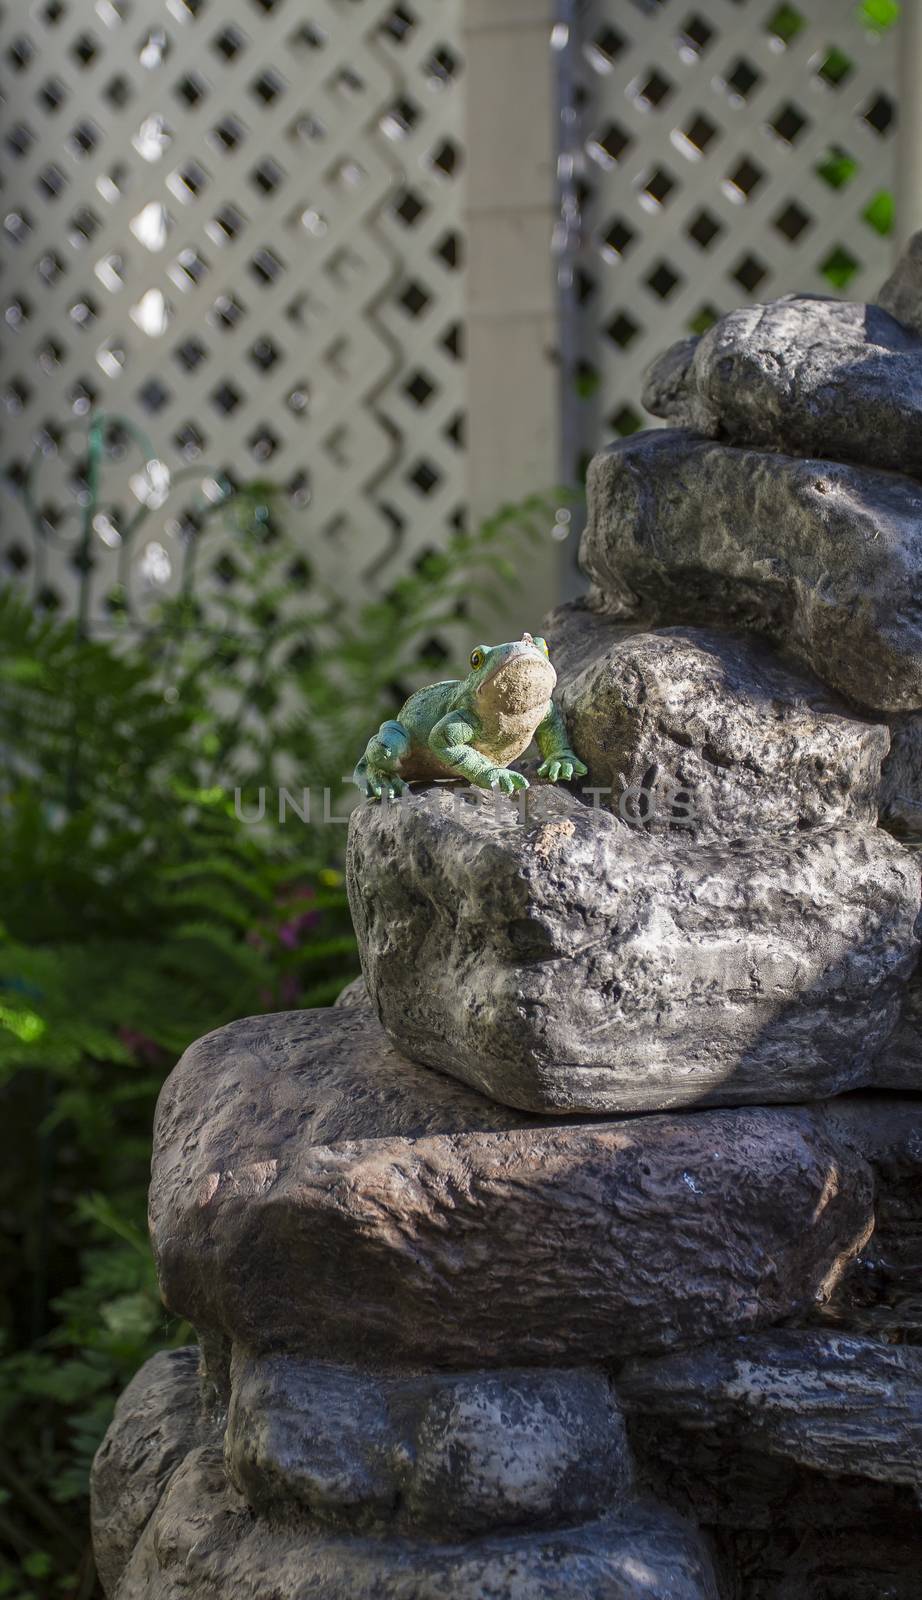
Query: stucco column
510	201
909	134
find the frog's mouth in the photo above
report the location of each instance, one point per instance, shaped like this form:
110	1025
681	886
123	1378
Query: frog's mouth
522	682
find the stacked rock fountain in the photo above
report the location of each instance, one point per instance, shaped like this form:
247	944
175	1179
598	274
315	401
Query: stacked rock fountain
487	1330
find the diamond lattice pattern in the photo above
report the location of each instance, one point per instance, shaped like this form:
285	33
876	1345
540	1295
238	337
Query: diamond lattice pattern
236	222
731	152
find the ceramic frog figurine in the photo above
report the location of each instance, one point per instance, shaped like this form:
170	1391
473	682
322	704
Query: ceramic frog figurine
472	728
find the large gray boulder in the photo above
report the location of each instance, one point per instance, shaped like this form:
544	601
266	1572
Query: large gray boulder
561	960
446	1487
708	732
809	375
445	1454
834	1402
544	1244
824	557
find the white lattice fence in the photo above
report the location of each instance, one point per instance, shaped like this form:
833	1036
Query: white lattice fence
236	222
730	150
239	223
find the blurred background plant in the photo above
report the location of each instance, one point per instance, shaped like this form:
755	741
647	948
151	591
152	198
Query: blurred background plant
140	911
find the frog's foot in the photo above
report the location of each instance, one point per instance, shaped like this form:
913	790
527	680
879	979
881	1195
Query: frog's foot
504	780
384	786
376	773
561	768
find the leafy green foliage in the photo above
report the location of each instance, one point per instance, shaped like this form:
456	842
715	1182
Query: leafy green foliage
879	16
880	212
140	911
837	167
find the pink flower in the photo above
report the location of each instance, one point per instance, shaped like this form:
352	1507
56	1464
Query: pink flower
142	1047
290	989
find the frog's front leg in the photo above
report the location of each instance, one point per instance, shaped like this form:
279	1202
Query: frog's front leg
451	741
559	760
377	769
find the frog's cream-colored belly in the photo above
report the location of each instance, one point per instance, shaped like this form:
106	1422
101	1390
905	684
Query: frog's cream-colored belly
507	738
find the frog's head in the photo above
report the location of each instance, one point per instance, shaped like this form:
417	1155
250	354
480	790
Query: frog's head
512	678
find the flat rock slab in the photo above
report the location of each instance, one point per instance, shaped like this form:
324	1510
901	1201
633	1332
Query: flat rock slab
203	1541
708	733
322	1076
822	556
546	1244
445	1455
831	1401
806	374
561	960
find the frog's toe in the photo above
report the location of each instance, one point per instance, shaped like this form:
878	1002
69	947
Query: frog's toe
579	768
550	769
384	786
507	781
390	788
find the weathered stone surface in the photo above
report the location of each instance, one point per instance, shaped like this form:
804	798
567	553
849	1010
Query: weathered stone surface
546	1244
204	1541
194	1534
157	1422
823	556
584	629
831	1401
901	790
512	1449
886	1129
873	1554
451	1455
900	1063
572	963
807	374
781	1530
670	389
881	1290
901	295
320	1436
709	733
354	994
323	1076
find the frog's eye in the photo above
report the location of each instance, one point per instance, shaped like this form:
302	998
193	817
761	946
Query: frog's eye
478	657
542	645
